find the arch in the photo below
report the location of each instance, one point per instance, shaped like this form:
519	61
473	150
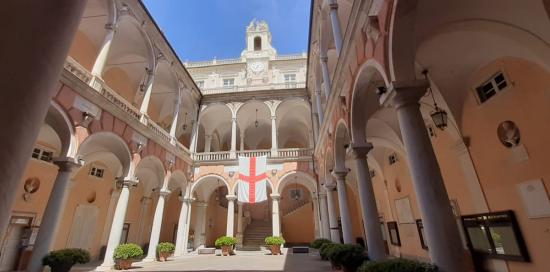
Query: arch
215	117
150	172
269	185
401	41
304	179
58	119
294	123
204	193
109	147
364	101
177	181
341	142
257	137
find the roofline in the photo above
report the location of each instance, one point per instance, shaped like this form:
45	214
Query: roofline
171	48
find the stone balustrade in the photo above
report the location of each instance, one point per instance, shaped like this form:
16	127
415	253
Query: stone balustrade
283	153
241	89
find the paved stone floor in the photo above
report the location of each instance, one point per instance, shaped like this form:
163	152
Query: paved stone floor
242	261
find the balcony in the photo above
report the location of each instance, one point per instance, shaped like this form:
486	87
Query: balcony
283	154
241	89
97	92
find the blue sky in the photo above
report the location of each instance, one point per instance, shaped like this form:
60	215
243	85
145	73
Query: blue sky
204	29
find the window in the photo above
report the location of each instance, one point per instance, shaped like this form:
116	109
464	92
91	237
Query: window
257	44
43	155
421	234
97	172
227	82
490	87
392	158
495	235
200	83
290	78
394	233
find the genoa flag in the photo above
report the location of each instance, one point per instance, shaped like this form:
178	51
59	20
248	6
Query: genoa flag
252	179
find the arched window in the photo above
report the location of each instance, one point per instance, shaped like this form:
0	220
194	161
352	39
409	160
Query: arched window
257	44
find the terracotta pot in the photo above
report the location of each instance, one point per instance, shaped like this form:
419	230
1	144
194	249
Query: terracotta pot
61	267
226	250
123	264
163	256
275	249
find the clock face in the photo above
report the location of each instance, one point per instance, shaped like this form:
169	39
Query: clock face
256	67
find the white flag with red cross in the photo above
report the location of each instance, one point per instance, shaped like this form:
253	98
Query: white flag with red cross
252	179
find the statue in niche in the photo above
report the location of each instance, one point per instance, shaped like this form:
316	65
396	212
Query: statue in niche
508	134
31	186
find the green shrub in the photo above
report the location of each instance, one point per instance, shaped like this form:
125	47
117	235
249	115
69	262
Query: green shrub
226	241
325	250
127	252
64	259
349	257
397	265
274	240
317	243
166	247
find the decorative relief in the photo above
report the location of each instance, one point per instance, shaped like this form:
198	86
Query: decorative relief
31	186
508	134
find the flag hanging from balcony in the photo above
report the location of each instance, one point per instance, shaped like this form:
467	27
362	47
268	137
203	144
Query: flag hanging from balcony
252	179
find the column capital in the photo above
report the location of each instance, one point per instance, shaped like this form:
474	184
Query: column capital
340	175
333	4
164	192
188	200
231	197
202	204
361	150
234	119
330	187
67	164
110	26
273	117
408	92
323	58
275	196
128	181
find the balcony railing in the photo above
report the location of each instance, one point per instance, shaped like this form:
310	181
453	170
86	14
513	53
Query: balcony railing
284	153
240	89
120	102
194	64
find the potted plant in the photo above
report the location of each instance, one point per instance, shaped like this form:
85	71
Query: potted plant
347	257
397	265
317	243
226	243
164	250
325	249
126	254
62	260
274	243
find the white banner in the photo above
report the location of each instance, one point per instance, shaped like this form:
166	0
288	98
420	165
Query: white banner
252	179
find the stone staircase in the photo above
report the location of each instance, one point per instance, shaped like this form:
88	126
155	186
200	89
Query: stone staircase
255	234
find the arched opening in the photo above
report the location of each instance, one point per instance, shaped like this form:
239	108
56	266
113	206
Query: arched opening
257	44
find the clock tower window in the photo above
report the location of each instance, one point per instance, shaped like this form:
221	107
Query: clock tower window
257	44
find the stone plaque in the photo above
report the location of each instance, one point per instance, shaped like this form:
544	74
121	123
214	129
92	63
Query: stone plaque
404	211
535	198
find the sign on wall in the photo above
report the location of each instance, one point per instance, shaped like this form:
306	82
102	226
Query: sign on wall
535	198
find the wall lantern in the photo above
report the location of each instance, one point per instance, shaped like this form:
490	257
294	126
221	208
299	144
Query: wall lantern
256	123
439	116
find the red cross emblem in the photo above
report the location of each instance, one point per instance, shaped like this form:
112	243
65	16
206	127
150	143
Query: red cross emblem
252	180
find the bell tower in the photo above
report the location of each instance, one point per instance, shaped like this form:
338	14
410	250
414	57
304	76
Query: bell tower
258	41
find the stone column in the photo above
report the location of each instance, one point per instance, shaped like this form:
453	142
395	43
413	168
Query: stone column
274	136
343	205
147	96
240	223
32	61
320	112
207	142
145	201
200	224
230	215
182	226
188	224
118	224
174	126
326	75
242	140
157	225
194	135
442	235
315	121
233	137
335	21
53	212
369	211
325	226
101	59
333	221
314	199
275	214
